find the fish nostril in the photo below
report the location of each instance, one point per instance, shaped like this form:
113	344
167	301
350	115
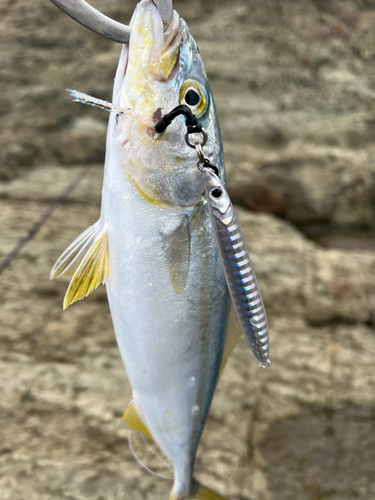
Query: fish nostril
157	116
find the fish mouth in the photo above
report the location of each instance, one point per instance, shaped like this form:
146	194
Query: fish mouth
152	56
151	46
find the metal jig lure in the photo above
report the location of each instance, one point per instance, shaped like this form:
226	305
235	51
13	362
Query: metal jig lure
239	273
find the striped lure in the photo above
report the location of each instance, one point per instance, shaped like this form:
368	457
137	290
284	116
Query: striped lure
240	276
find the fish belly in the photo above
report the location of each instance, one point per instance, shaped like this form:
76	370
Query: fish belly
171	344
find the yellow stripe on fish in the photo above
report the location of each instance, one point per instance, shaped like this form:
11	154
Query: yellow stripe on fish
166	63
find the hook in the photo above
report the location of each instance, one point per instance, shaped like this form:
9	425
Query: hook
83	13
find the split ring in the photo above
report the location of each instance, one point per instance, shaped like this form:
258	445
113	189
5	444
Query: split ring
203	143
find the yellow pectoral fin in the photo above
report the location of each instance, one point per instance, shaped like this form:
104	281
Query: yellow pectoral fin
233	335
132	419
92	271
69	261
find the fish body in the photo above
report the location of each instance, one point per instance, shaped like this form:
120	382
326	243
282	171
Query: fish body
166	245
154	245
165	285
171	343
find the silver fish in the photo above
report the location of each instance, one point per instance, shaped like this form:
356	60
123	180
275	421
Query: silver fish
154	246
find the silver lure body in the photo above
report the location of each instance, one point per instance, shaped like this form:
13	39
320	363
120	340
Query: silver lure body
239	273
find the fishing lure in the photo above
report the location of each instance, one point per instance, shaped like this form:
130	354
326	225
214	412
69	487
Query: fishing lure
239	273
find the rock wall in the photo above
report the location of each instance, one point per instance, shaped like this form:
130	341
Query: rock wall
294	85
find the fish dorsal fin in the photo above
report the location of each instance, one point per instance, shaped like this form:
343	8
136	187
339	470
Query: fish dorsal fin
132	419
92	271
68	262
233	335
177	254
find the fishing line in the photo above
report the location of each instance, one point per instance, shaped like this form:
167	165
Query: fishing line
155	453
7	260
147	469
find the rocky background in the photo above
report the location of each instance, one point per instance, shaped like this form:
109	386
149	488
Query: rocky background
294	82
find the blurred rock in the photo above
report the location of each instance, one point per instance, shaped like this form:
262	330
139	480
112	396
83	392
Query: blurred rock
294	84
46	184
256	196
298	278
305	184
82	142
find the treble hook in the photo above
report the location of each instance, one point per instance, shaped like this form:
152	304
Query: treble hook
83	13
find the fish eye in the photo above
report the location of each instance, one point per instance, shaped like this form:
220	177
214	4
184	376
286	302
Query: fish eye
194	95
192	98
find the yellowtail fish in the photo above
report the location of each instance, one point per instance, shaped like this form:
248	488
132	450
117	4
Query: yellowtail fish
154	246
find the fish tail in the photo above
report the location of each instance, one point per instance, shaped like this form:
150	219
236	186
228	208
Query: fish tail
198	492
205	493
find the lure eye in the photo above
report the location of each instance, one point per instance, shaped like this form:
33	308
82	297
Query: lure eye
194	95
216	193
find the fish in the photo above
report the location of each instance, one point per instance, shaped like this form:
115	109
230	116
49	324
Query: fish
154	247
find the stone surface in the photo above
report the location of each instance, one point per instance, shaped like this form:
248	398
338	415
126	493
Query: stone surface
294	83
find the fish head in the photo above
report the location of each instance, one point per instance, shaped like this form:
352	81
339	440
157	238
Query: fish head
163	70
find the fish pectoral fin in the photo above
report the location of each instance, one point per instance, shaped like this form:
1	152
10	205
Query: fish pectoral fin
91	272
233	335
132	419
68	262
177	254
